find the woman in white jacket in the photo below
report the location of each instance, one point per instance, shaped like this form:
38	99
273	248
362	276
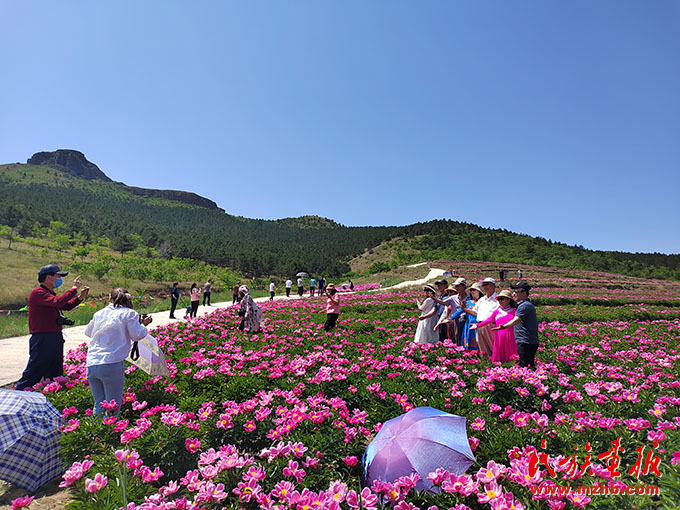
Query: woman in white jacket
112	329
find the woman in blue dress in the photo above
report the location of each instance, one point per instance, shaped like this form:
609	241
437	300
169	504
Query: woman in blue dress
468	308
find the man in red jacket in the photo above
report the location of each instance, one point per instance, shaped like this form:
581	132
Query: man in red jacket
45	322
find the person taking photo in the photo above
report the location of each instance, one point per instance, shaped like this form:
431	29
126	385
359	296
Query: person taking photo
45	322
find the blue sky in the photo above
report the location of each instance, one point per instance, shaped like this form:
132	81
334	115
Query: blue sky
556	119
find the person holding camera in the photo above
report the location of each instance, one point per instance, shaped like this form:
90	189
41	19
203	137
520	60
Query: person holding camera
112	330
45	322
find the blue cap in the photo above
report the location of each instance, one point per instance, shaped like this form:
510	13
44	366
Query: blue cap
50	270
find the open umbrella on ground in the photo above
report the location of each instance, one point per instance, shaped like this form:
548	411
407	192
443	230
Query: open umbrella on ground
29	439
302	274
419	441
151	358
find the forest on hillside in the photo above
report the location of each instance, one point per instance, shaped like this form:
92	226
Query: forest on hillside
87	211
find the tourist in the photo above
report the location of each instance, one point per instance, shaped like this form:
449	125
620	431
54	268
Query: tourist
234	293
461	297
332	307
486	305
504	346
468	310
206	292
312	286
174	298
46	345
300	286
425	332
445	307
321	284
252	318
289	285
112	330
272	290
525	325
195	296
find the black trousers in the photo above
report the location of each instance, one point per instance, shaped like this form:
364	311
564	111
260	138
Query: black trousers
194	308
46	359
331	319
301	291
206	295
271	298
287	291
460	326
527	354
173	305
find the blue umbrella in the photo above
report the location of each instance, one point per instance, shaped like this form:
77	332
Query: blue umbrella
29	439
419	441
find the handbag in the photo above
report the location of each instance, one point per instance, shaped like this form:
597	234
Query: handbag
134	352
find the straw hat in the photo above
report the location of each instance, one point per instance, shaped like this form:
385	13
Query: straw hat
476	287
506	293
430	287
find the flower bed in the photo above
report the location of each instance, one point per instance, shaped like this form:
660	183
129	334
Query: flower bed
280	419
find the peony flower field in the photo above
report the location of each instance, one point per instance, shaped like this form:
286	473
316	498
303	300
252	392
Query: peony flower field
280	419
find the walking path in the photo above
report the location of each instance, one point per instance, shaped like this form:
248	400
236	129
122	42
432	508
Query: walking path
14	351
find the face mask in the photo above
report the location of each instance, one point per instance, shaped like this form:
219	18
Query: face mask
58	282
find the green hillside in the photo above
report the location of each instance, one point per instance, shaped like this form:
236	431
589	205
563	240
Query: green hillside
33	196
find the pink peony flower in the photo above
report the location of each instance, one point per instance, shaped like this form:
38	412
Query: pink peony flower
99	482
22	502
192	445
676	458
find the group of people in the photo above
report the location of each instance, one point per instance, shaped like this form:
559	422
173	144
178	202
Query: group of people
501	325
503	274
194	297
316	287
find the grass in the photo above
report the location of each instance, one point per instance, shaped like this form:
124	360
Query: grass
23	261
21	264
393	249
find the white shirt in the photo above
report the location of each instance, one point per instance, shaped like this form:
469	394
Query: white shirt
486	306
300	282
289	284
271	287
112	331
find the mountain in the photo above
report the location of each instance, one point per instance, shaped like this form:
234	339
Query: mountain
69	161
89	206
76	164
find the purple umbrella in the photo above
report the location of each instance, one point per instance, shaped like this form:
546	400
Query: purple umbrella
419	441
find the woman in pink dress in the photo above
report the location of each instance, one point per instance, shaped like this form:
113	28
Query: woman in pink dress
504	345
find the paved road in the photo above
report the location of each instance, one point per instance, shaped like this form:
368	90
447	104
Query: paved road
14	351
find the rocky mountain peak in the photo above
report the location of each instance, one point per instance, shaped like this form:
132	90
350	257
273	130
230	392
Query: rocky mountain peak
70	161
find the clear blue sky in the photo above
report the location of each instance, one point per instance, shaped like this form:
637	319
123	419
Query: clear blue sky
557	119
